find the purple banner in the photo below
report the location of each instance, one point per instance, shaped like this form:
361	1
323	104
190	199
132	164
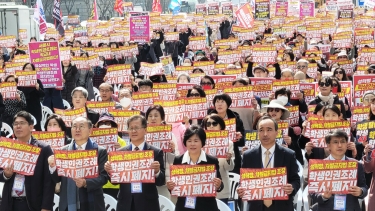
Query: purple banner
306	9
46	58
140	28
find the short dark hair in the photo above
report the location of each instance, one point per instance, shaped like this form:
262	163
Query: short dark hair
334	108
135	118
224	97
11	76
209	78
145	82
337	81
344	76
195	130
326	79
158	108
59	121
26	115
32	66
217	119
241	81
291	55
318	107
85	53
265	117
336	133
199	90
283	91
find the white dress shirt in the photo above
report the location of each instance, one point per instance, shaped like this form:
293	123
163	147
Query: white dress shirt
187	160
332	158
272	155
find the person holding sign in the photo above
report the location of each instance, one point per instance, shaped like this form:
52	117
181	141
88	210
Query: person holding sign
27	193
140	196
215	122
271	155
194	140
337	142
84	194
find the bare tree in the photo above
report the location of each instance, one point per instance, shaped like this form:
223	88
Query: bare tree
89	5
48	7
104	6
69	5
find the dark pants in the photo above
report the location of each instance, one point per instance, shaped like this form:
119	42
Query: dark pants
111	191
270	208
53	98
20	205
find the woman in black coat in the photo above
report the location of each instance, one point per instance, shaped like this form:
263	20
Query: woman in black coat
222	103
70	74
33	97
194	140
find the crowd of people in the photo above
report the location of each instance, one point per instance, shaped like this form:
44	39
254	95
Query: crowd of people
268	109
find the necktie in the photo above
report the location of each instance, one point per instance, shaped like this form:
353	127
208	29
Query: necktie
266	164
136	149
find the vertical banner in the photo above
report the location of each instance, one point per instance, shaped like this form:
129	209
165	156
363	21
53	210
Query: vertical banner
45	56
22	34
159	136
193	180
105	137
260	184
132	166
213	8
307	8
251	139
139	26
336	174
227	8
77	163
245	16
362	84
281	8
217	143
262	9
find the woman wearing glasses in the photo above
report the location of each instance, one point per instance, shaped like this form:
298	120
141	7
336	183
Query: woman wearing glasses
222	103
215	122
340	74
155	115
207	82
337	86
326	96
196	91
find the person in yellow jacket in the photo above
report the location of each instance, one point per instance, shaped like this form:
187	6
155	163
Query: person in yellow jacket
107	120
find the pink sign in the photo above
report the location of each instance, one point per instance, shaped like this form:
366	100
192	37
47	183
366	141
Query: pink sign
46	58
140	28
281	8
307	9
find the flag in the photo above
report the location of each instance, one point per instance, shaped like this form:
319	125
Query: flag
94	12
56	14
174	4
156	6
118	7
40	19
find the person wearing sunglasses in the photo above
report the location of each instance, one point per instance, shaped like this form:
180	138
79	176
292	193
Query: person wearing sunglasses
326	96
340	74
278	112
342	56
207	82
303	65
215	122
371	69
221	104
337	87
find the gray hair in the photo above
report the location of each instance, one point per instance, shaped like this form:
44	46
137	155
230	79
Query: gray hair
88	121
81	89
303	61
183	74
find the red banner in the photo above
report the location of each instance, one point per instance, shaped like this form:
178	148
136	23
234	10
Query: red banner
69	115
159	136
217	143
105	137
245	16
77	163
132	166
54	139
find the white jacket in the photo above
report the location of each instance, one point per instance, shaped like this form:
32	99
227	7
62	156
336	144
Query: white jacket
224	172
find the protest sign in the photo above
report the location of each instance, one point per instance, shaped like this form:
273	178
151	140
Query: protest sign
227	8
160	136
264	183
317	130
119	74
308	91
294	115
241	96
362	84
197	43
230	125
148	69
8	41
122	116
174	110
139	28
143	100
22	34
26	78
262	88
193	180
217	143
336	174
359	113
262	9
196	108
292	85
167	91
77	163
22	156
45	57
245	16
54	139
69	115
99	106
251	139
8	90
105	137
132	166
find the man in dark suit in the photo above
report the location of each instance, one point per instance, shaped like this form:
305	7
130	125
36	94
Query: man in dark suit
80	193
277	156
37	190
148	198
337	142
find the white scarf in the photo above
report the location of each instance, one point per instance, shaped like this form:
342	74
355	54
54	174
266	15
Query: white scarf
327	99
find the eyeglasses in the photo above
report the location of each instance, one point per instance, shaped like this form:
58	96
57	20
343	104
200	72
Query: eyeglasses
195	95
273	109
335	85
206	83
301	67
343	141
339	72
214	124
16	124
342	57
136	129
327	84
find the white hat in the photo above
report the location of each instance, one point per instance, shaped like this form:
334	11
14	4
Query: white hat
342	53
313	42
278	104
